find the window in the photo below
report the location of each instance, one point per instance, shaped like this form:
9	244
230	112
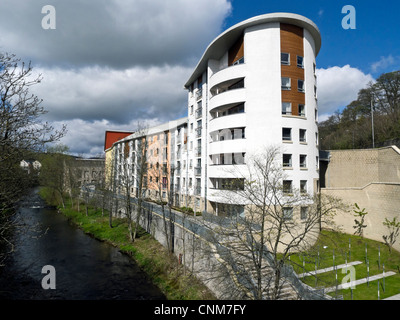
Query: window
303	186
287	186
302	135
239	61
302	110
287	213
285	58
300	85
300	62
316	138
286	108
303	213
287	160
164	182
303	161
286	83
286	134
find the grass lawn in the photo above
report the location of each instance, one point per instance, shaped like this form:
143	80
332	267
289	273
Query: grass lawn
333	247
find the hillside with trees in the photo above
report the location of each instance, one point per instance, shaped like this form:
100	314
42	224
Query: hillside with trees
351	128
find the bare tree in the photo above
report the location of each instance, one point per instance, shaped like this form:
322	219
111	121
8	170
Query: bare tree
140	167
22	133
126	182
267	221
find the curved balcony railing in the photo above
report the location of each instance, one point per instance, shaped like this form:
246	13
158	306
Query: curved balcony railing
237	120
227	146
227	74
229	97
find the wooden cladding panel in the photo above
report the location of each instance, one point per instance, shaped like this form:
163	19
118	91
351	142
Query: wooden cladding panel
292	43
236	51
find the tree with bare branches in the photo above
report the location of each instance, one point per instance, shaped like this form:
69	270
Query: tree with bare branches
268	221
23	133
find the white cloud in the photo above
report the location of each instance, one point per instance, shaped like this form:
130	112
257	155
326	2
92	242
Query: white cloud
384	62
338	86
111	63
116	33
86	138
94	93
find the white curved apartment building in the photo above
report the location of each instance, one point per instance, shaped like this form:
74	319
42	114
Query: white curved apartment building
254	87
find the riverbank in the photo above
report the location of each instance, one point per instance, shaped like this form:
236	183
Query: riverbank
162	268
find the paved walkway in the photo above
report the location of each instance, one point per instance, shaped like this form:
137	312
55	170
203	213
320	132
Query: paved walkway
340	266
395	297
360	281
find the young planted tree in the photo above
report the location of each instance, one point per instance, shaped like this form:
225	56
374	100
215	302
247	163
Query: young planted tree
393	227
359	225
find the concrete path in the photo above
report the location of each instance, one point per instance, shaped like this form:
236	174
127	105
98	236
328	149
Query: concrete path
341	266
360	281
395	297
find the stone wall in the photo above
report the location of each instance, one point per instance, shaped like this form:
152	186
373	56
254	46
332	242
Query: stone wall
370	178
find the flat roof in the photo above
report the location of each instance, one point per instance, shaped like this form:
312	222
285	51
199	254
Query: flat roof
226	39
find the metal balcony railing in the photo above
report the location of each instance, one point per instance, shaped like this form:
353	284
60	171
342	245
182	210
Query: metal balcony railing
199	113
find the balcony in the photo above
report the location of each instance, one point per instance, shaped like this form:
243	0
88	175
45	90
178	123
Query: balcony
197	171
230	97
199	94
198	132
228	146
237	120
197	190
199	113
227	74
198	152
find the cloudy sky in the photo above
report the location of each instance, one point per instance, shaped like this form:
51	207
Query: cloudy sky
110	64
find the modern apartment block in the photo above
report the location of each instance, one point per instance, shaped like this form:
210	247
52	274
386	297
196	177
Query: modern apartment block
255	86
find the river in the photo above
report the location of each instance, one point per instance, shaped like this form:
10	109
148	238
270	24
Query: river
85	268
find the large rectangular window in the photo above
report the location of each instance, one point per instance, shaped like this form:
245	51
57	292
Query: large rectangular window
300	62
303	161
287	160
287	213
303	213
300	85
303	186
286	84
285	58
287	186
302	135
286	134
286	108
302	110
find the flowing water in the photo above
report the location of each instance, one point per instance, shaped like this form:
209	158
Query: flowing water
85	268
